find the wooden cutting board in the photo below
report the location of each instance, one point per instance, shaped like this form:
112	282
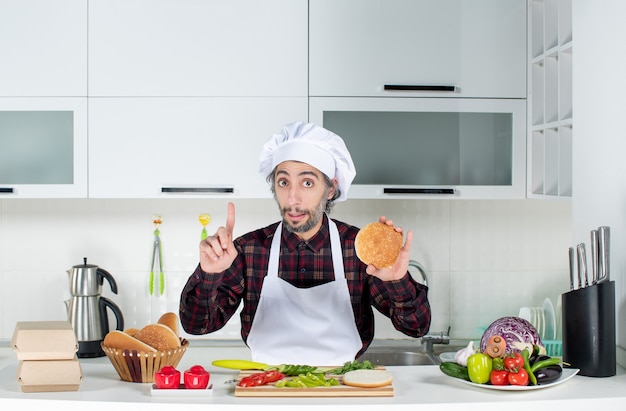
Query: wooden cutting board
340	390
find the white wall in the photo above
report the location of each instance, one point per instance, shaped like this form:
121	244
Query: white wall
485	259
599	138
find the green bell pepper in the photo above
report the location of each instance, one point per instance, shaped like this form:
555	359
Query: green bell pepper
479	368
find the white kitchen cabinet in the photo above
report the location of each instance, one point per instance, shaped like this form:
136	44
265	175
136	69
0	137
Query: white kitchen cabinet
43	48
180	147
550	99
469	48
417	148
43	147
198	48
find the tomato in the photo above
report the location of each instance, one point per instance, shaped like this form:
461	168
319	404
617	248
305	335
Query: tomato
196	377
479	368
518	378
167	377
261	378
514	362
499	377
273	376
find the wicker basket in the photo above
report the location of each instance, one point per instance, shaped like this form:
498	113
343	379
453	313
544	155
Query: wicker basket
133	366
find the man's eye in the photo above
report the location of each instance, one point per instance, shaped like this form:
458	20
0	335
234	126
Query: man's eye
307	183
281	183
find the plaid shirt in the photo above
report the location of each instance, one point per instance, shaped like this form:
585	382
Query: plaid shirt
209	300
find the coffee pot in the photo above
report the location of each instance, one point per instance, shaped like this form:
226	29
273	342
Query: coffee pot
87	309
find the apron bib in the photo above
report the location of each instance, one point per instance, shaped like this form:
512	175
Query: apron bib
313	326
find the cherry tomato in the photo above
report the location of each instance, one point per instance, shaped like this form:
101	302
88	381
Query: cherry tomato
196	377
518	378
167	377
514	362
499	377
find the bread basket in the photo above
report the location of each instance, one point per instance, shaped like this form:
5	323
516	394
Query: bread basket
134	366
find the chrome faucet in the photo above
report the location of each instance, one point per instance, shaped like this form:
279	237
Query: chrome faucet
420	268
429	340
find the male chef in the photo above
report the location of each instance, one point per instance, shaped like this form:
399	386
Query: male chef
307	298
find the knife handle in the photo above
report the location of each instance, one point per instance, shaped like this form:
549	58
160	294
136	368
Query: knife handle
572	265
582	265
594	256
604	234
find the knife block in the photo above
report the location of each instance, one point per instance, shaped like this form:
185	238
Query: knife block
589	329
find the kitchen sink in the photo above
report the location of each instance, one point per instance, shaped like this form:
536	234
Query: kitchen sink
393	357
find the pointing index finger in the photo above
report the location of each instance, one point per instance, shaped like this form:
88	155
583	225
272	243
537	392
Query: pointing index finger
230	219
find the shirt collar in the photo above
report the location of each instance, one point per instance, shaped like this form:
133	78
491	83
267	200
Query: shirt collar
315	243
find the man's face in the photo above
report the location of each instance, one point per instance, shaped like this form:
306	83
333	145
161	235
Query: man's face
301	193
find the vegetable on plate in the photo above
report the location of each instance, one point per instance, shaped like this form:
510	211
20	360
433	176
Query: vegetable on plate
479	367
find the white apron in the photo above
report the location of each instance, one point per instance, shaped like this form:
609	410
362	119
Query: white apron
313	326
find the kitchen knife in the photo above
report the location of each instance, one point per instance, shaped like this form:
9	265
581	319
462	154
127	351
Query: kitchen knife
572	264
582	265
604	234
594	256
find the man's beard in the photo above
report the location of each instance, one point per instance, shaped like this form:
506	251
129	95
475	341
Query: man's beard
314	217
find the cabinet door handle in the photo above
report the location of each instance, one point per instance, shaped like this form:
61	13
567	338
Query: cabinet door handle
420	87
418	190
6	190
209	190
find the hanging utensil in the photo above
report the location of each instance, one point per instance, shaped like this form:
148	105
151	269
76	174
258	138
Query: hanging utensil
204	219
157	257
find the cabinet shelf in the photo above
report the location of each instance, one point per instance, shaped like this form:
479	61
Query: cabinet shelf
550	99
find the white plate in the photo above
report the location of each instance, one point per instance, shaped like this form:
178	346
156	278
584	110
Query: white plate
567	374
181	392
447	357
550	318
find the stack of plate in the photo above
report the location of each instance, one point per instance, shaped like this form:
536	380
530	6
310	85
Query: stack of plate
544	319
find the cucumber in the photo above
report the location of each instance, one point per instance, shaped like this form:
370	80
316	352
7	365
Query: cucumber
455	370
240	364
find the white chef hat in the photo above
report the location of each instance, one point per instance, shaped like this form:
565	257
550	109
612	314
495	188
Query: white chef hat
314	145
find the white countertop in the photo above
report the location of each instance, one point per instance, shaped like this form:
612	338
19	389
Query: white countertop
424	385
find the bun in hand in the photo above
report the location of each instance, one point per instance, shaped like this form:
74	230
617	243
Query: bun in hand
378	244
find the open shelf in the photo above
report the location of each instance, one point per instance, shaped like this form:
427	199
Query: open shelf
550	133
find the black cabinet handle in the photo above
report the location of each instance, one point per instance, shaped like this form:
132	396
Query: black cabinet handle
6	190
418	190
209	190
419	87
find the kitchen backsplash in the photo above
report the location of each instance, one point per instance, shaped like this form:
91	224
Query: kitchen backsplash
483	259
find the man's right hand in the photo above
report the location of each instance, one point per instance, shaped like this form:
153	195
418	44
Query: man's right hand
217	252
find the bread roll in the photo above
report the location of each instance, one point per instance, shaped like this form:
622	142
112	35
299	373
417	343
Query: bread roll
158	336
123	341
367	378
171	320
378	244
131	331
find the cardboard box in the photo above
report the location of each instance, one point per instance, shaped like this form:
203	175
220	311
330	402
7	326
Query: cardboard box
44	340
49	375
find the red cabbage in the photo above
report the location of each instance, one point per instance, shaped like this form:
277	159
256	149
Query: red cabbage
513	330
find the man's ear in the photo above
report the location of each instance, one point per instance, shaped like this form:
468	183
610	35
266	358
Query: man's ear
333	189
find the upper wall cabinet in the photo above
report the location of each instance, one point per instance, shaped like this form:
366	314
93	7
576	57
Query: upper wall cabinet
43	147
43	48
179	147
198	48
421	48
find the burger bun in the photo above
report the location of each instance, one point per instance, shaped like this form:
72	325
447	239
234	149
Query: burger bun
378	244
